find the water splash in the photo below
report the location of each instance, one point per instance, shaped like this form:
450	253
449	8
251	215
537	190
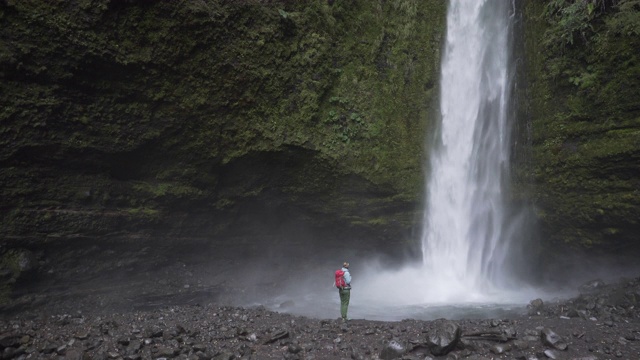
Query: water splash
464	242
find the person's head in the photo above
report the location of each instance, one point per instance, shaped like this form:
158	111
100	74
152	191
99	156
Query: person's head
345	265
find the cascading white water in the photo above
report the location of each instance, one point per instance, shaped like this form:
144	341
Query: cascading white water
467	245
463	242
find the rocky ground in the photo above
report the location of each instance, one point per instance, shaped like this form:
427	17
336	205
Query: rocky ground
143	303
601	323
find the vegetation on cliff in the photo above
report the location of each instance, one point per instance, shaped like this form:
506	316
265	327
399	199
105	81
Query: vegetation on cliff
128	116
583	78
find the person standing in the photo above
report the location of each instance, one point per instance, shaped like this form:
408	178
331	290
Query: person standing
343	283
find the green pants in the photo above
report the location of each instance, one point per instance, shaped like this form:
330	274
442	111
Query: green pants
345	294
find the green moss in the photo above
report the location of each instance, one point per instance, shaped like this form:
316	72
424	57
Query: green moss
143	212
153	106
167	189
583	79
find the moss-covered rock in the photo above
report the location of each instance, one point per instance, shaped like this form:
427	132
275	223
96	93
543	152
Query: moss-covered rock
15	264
583	78
135	117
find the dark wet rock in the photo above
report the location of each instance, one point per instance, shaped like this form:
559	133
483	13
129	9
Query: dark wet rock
550	338
9	340
621	298
509	332
573	313
294	348
520	344
82	335
73	354
155	332
280	334
444	337
165	351
224	356
535	307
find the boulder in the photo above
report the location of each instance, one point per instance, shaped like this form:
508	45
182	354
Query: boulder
394	349
535	307
444	338
550	338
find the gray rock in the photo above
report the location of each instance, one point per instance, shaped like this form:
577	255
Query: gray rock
444	338
134	346
200	347
394	349
9	340
294	348
155	332
164	351
73	354
535	307
550	338
573	313
8	353
551	354
510	332
521	344
82	335
536	303
280	334
500	348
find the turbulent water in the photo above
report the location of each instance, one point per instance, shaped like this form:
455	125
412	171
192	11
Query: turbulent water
464	240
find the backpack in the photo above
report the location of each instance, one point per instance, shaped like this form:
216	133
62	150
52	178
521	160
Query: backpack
340	283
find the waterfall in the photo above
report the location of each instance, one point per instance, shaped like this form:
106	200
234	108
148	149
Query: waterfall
465	241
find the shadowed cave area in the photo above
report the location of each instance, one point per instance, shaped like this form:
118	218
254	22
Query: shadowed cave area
249	251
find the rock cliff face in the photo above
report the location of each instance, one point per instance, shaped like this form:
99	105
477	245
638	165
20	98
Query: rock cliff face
296	124
582	99
213	118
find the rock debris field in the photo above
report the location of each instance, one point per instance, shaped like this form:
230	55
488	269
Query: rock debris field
601	323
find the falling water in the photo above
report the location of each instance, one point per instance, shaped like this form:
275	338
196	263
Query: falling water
467	245
464	241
